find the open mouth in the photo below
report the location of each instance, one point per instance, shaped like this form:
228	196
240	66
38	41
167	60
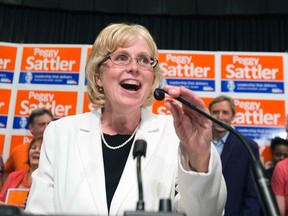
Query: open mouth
131	85
35	157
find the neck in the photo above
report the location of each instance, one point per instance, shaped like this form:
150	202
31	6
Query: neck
217	136
119	123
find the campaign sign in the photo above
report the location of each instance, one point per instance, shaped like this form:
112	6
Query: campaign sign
2	139
265	154
87	105
159	107
61	103
7	63
50	65
19	140
4	106
260	119
89	50
189	69
252	73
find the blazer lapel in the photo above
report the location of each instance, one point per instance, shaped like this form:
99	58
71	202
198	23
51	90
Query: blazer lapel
89	141
128	179
227	150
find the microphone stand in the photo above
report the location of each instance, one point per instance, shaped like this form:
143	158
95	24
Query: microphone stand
139	151
164	205
265	195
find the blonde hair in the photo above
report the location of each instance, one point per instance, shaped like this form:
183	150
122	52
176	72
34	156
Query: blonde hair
107	42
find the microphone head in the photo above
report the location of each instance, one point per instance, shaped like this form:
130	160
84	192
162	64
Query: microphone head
159	94
139	148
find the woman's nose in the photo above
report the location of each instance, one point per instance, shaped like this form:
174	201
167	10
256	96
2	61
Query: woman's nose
133	66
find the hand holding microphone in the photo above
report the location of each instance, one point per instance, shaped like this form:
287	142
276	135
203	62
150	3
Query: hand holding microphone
193	129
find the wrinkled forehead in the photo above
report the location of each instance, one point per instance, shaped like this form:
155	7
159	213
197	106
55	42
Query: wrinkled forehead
142	45
125	43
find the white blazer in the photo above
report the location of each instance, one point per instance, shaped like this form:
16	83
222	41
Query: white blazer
70	178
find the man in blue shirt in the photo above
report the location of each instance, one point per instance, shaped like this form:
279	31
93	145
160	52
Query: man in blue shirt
236	165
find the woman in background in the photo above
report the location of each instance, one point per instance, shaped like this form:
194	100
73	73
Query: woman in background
22	178
279	148
279	185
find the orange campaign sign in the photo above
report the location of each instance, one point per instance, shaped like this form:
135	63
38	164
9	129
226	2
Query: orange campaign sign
87	105
7	63
16	196
4	106
252	73
195	71
159	107
265	154
260	119
89	50
50	65
2	139
61	103
19	140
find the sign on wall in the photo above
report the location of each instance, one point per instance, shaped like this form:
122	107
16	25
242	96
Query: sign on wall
53	76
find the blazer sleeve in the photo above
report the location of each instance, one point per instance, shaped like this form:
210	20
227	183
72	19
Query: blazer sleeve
201	193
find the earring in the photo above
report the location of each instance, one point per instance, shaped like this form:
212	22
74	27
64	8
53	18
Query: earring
100	89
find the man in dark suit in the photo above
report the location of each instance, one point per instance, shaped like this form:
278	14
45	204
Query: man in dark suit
236	165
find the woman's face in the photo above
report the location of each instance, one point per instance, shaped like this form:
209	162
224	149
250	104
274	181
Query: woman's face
127	87
280	152
34	154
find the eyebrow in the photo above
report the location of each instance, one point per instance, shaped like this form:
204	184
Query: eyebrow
127	53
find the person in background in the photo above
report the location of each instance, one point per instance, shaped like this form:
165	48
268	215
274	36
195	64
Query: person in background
279	184
279	148
1	171
38	120
241	191
22	178
93	171
286	127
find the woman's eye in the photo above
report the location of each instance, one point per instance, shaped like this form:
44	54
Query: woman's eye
121	58
144	59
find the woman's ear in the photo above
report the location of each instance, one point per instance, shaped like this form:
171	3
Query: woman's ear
98	80
99	83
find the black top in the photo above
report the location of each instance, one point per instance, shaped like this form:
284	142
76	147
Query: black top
114	162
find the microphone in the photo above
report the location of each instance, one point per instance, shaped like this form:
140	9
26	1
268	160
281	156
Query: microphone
265	195
139	150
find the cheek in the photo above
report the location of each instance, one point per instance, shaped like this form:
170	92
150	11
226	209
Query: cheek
30	153
229	118
108	78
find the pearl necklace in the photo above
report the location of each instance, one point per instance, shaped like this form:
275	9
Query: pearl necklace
119	146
